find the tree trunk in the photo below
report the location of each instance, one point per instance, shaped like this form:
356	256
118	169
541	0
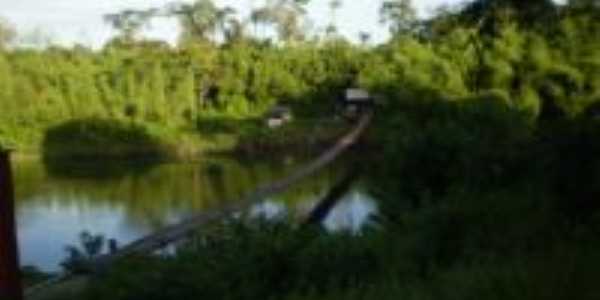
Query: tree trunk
10	278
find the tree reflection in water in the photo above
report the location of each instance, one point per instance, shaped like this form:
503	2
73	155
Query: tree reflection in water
53	208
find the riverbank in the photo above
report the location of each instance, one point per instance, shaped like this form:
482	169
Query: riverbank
113	139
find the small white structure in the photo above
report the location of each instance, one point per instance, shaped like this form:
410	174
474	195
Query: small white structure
357	95
274	122
278	116
356	100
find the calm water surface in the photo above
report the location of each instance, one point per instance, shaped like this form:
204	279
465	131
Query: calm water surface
125	201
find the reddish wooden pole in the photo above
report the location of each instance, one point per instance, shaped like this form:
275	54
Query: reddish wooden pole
10	277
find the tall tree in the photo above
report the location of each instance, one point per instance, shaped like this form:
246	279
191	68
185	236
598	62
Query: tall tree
260	17
585	3
589	7
199	20
230	27
129	22
488	14
399	15
7	33
202	19
286	16
10	279
334	6
364	37
234	31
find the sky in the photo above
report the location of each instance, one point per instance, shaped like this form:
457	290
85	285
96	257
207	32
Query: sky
80	21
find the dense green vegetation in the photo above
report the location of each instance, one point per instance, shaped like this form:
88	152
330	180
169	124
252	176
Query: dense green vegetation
158	87
213	73
487	165
172	89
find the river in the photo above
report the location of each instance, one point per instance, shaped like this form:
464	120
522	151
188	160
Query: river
56	201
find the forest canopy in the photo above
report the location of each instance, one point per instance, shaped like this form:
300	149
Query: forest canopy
225	66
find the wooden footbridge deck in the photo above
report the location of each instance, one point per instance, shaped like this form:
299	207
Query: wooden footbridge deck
178	232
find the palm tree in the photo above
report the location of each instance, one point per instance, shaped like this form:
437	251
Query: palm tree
198	20
260	16
234	30
286	16
289	18
330	30
7	33
486	14
253	18
226	22
129	22
334	6
400	15
203	20
364	37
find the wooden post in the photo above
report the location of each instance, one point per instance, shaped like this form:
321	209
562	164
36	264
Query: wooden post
10	275
326	205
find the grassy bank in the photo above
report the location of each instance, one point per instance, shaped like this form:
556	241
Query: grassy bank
116	139
113	138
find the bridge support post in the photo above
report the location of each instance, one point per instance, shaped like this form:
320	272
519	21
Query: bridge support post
10	275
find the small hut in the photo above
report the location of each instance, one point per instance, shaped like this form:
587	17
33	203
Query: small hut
355	101
278	116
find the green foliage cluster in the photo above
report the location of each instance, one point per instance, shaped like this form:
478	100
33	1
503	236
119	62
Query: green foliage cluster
158	86
548	70
117	139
